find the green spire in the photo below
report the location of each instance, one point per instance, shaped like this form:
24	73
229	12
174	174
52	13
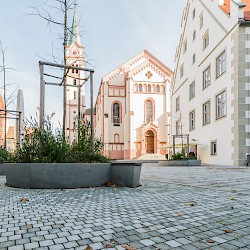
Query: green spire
75	35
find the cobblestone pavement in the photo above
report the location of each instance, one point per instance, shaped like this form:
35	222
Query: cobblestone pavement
175	208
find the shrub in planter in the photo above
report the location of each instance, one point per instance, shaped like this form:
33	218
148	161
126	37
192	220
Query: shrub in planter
44	146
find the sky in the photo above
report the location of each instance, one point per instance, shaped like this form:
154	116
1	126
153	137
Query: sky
112	32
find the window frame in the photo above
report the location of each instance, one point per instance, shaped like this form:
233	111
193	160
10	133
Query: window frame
192	120
194	35
203	78
116	119
177	104
206	121
185	46
204	39
192	93
181	71
178	127
221	108
212	144
146	119
222	63
201	20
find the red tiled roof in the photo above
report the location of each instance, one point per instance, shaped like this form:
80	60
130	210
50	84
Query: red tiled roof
246	10
226	8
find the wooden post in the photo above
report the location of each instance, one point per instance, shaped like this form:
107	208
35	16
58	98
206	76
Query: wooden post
79	112
92	110
42	95
173	145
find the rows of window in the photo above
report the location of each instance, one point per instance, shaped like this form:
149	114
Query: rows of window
149	112
205	41
220	111
206	75
75	70
149	88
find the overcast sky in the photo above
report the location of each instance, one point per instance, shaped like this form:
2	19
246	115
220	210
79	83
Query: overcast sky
113	32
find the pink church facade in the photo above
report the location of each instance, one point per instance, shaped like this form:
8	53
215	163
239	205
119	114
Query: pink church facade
133	108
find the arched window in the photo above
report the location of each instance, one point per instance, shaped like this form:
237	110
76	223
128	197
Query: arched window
144	88
76	69
74	81
73	71
149	88
149	111
140	88
157	89
135	88
116	114
153	88
162	89
116	138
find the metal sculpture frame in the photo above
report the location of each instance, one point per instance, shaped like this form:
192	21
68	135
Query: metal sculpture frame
13	115
43	83
182	137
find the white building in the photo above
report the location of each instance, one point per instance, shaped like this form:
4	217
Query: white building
75	57
133	107
210	95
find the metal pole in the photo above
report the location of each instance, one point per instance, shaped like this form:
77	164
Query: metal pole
173	145
92	110
42	95
188	145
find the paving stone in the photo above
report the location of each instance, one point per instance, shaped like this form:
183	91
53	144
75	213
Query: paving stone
32	245
56	247
147	242
73	218
173	243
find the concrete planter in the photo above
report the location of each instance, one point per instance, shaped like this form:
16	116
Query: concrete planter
126	173
172	163
69	175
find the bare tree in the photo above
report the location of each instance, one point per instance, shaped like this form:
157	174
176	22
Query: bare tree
8	99
48	12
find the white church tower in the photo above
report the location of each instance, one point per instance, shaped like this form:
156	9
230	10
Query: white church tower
75	57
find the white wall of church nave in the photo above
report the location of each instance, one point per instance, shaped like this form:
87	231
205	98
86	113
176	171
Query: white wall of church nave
110	129
137	103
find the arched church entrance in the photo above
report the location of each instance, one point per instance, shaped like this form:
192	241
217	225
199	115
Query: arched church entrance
150	142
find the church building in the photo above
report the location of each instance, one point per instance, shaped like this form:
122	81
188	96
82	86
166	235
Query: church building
133	108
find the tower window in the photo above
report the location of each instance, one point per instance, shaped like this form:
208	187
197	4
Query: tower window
73	71
76	69
74	81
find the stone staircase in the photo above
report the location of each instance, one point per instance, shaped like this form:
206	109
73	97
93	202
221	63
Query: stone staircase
149	157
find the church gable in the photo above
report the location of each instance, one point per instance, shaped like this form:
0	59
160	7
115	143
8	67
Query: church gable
148	72
137	62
